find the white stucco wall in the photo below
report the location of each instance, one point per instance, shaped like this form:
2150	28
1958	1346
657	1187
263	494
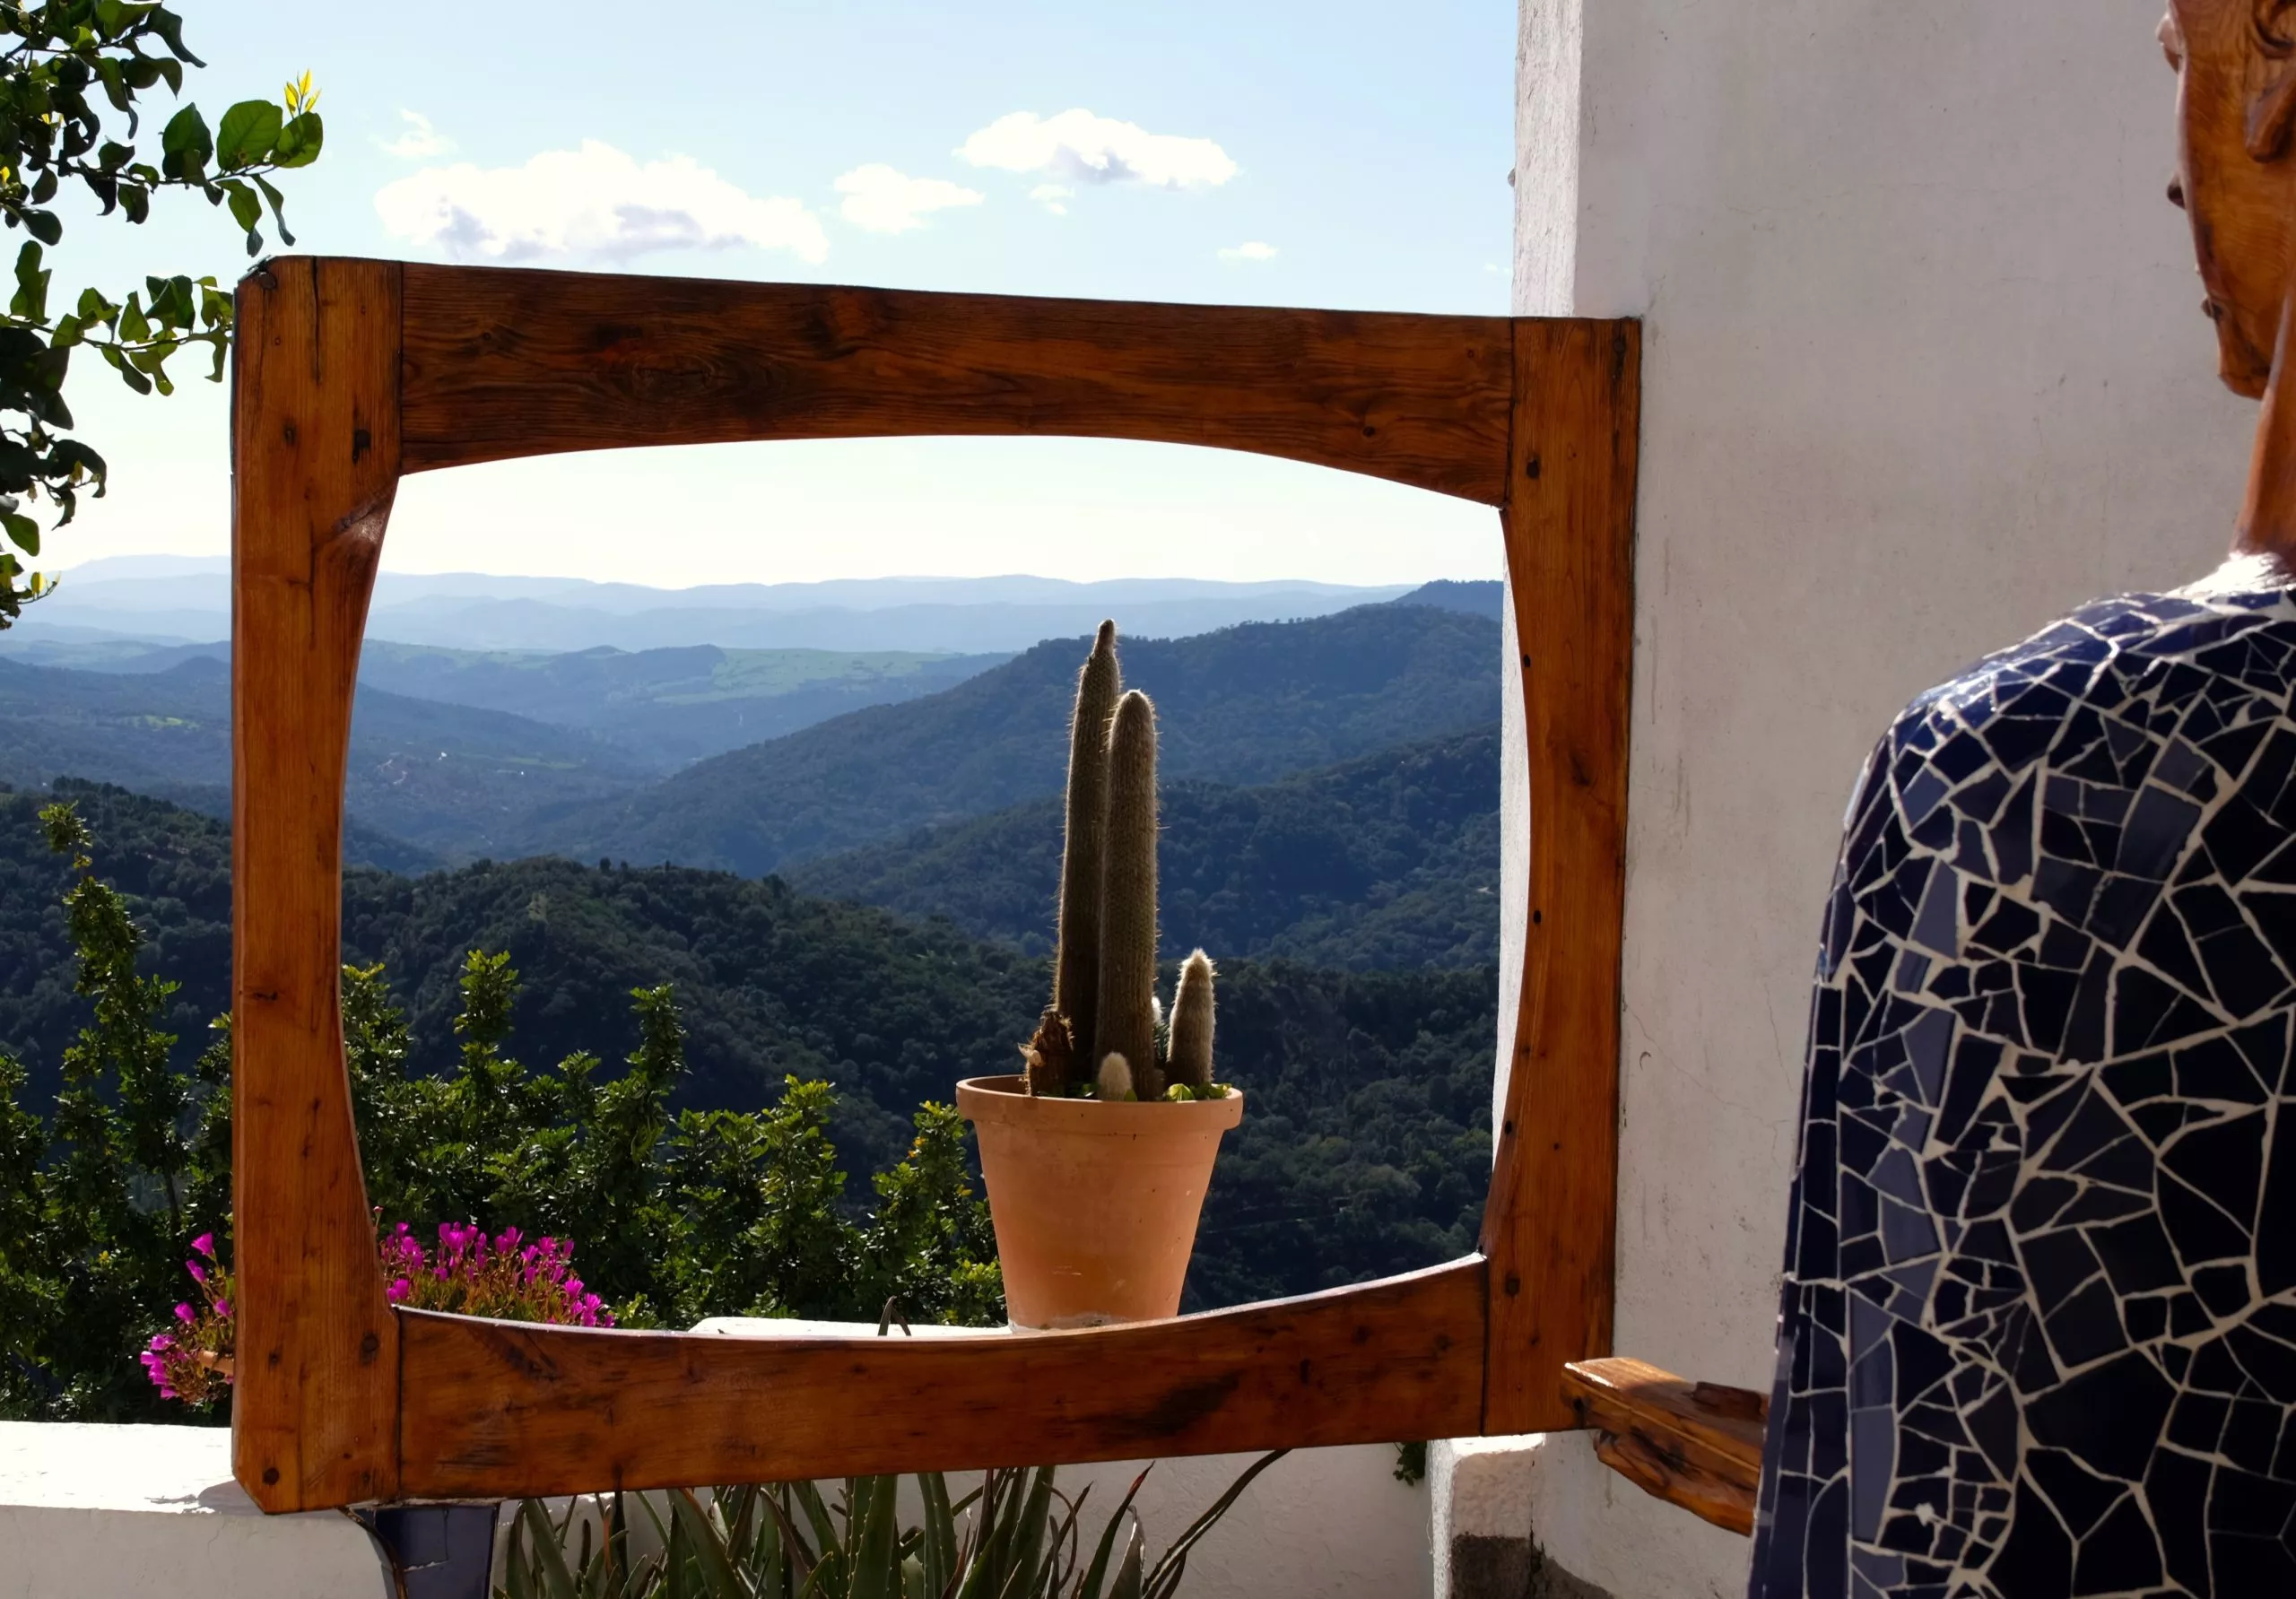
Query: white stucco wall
124	1512
1923	367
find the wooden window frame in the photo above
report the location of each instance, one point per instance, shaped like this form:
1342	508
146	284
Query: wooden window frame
347	374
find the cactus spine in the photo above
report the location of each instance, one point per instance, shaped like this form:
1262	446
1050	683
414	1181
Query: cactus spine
1126	1022
1190	1061
1076	964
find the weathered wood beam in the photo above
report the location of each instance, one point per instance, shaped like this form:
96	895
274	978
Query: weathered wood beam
1696	1445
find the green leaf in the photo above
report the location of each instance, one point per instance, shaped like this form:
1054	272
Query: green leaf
127	374
1166	1578
1097	1572
557	1580
940	1547
299	142
31	302
245	137
708	1542
133	327
23	530
1127	1574
187	144
876	1559
247	210
43	225
278	209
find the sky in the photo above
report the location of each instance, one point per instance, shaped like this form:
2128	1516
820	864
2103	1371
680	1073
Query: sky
1331	153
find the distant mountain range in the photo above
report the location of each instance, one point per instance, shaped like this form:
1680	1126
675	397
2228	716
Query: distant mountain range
189	601
1329	834
1386	862
445	773
1247	704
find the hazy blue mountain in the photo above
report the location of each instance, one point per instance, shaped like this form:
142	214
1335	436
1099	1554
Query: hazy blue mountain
1386	862
668	707
181	600
1244	705
453	781
662	707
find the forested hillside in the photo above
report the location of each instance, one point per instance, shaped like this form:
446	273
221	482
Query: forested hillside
1385	861
451	779
1245	705
1365	1148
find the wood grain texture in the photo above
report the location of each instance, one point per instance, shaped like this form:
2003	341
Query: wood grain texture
506	363
348	372
1551	1218
315	449
1696	1445
500	1408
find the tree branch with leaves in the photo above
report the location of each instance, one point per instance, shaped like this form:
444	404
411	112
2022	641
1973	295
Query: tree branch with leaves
73	73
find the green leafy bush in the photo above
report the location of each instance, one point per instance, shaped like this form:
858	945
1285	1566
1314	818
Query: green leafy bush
701	1213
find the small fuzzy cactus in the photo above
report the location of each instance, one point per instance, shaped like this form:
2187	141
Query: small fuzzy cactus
1101	1034
1188	1062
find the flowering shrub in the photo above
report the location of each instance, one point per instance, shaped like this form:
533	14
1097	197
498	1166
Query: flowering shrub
502	1277
193	1363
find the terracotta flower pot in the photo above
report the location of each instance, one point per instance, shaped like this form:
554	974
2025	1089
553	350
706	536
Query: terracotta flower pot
1095	1204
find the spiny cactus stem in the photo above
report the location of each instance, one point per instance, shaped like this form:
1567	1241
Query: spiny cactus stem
1076	960
1125	1023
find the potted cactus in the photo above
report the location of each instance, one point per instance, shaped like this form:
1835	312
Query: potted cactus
1096	1158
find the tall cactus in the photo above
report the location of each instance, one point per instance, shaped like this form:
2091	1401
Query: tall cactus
1100	1032
1076	964
1190	1060
1125	1022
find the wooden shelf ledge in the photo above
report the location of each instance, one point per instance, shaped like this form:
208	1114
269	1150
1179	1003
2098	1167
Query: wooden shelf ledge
1696	1445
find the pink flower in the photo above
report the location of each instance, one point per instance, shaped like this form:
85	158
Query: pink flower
400	1288
223	1309
206	1244
183	1315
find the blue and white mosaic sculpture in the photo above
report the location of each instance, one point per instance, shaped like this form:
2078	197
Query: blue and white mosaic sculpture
2039	1329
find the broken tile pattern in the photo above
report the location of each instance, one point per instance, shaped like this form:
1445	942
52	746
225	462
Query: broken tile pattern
2038	1335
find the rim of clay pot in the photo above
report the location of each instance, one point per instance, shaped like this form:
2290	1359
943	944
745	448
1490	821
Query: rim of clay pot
1006	1099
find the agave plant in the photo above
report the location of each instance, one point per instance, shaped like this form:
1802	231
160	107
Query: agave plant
1016	1536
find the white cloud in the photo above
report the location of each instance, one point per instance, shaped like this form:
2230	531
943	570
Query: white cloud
1078	147
883	201
1051	194
420	139
596	202
1251	249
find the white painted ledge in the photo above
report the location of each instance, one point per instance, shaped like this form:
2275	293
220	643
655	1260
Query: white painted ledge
1479	1498
94	1512
775	1326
